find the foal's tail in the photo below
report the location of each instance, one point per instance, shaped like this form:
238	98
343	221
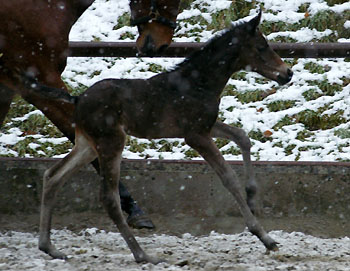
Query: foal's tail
51	93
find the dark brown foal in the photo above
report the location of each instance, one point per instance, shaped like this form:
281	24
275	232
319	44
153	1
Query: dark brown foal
183	103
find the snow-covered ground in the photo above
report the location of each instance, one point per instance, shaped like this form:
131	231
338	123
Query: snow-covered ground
93	249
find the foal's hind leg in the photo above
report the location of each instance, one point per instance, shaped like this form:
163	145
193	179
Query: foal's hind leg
54	178
109	154
239	136
207	148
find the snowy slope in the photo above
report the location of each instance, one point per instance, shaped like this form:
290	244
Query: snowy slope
305	120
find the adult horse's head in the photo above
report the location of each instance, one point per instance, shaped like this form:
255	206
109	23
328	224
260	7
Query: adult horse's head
156	22
260	57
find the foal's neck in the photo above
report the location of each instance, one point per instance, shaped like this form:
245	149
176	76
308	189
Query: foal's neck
212	66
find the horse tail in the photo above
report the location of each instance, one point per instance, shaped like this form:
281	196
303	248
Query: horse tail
51	93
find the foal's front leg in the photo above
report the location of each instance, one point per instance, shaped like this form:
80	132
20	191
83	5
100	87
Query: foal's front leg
240	137
54	178
207	148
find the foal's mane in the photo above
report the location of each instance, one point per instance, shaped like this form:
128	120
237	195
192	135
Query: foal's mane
210	46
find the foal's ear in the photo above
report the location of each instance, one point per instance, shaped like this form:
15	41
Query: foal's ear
254	23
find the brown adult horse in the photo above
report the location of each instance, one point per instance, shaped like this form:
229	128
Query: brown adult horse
34	39
183	103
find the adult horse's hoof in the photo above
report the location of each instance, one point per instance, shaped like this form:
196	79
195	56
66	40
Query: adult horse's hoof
140	221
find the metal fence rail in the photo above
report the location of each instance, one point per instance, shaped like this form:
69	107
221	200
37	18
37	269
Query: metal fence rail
181	49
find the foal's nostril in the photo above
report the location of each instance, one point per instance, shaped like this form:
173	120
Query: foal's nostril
290	73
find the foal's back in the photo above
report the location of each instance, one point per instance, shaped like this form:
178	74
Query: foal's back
154	108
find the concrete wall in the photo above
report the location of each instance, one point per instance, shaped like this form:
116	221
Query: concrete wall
188	187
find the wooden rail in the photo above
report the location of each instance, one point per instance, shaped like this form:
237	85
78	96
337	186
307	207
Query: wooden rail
181	49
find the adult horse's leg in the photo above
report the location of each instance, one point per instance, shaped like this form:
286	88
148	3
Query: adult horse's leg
240	137
54	178
136	217
6	96
207	148
60	113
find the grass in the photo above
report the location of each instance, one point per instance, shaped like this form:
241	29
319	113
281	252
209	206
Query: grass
315	68
152	67
244	97
18	108
342	133
122	21
280	105
327	88
315	120
258	136
237	10
312	94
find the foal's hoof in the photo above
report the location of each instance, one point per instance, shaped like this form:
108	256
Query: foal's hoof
140	221
58	255
53	252
148	259
272	247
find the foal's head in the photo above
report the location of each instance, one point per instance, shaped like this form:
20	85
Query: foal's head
256	55
156	22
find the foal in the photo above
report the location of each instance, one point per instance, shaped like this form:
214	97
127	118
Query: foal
183	103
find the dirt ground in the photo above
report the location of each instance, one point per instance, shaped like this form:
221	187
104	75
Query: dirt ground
317	226
92	243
